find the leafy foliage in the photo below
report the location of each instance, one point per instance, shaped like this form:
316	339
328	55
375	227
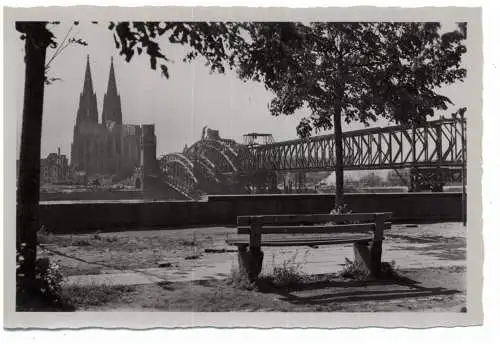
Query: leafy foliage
47	286
208	39
367	70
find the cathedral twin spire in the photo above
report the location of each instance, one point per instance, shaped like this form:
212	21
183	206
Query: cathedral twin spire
111	107
111	110
87	109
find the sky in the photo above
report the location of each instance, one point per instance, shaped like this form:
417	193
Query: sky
179	106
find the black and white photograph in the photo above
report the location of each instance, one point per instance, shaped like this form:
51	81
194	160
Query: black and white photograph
213	163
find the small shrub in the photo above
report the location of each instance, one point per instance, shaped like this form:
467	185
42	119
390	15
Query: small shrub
42	293
49	278
285	275
354	271
342	210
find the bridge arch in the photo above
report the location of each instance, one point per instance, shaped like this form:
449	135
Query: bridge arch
178	170
222	156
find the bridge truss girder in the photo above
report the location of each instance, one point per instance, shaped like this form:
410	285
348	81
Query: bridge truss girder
438	143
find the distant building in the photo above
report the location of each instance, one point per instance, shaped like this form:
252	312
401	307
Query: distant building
79	177
109	147
54	168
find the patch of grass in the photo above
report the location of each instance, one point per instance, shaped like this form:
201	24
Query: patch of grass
289	273
93	295
353	271
239	280
283	276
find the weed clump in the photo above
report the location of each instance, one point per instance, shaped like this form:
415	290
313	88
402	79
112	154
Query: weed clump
354	271
240	280
285	275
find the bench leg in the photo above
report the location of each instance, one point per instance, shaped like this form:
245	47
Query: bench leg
376	258
250	262
368	257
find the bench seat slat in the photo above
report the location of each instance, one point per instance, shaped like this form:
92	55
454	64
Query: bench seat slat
303	229
301	241
307	219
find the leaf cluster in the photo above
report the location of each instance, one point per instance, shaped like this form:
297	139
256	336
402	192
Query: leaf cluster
212	40
365	70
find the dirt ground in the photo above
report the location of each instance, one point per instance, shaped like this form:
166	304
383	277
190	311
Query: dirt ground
429	258
320	294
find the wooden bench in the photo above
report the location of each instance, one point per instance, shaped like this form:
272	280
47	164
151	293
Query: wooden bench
254	232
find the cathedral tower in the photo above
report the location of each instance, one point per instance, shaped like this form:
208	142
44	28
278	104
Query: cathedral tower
111	108
86	127
87	108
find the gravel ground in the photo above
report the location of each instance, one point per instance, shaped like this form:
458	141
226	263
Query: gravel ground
135	268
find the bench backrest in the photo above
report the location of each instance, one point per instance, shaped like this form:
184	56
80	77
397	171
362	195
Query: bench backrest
257	225
269	220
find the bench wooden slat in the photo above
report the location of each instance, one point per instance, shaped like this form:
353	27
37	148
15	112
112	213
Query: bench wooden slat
346	228
302	242
307	219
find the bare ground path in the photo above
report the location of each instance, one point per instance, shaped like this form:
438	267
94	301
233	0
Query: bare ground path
196	263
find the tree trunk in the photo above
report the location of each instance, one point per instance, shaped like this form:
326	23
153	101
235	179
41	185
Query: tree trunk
339	150
28	188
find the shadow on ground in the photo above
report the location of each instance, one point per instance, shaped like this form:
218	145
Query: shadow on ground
335	291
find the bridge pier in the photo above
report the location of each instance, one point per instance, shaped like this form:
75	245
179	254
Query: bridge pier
148	177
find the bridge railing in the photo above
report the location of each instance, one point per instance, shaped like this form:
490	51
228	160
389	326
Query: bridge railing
437	143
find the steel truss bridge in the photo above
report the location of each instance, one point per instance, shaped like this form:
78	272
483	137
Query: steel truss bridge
435	150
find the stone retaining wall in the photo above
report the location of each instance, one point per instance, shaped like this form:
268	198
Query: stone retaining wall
71	217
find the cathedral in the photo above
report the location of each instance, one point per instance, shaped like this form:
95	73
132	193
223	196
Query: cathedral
109	147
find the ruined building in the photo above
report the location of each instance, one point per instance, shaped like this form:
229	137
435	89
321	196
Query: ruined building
54	168
109	147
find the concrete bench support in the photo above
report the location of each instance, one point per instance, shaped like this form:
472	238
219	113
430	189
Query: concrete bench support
368	257
367	247
250	262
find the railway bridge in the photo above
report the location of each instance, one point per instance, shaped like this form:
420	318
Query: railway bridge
435	152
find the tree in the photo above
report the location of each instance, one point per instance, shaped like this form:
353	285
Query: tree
205	39
37	39
355	71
